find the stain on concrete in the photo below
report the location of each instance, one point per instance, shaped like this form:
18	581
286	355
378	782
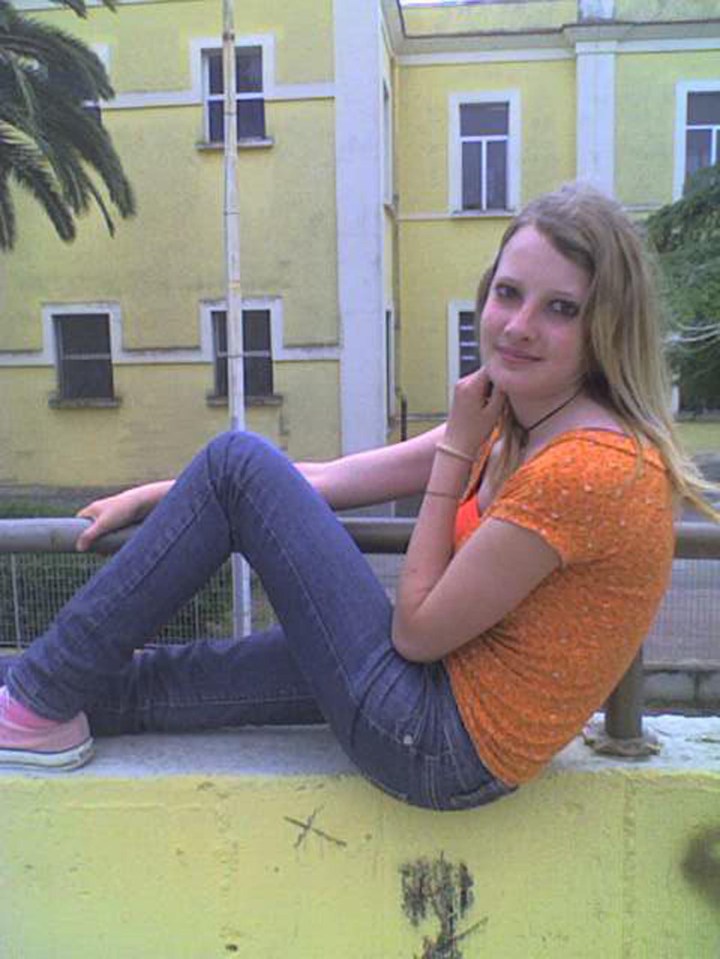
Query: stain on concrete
701	864
308	826
439	888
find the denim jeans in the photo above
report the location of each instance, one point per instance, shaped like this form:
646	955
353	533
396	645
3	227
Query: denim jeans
330	659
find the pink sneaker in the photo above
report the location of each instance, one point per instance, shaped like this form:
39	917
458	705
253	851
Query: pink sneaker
29	741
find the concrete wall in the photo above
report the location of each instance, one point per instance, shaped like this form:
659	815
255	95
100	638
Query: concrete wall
266	843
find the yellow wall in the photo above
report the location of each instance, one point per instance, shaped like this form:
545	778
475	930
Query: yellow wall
613	864
169	258
547	97
645	127
490	16
162	421
149	42
660	10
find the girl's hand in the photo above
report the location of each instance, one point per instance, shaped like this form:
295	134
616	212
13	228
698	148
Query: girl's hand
476	408
115	512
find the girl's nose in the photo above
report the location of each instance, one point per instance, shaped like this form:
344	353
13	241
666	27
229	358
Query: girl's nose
521	322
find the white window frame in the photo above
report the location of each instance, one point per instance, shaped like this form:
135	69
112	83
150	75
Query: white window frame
682	90
455	308
199	50
456	100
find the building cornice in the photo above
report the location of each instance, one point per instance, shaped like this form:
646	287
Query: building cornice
666	34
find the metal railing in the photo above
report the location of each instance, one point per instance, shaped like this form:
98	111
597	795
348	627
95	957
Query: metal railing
622	732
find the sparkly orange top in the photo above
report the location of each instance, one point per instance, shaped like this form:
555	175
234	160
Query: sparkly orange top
526	686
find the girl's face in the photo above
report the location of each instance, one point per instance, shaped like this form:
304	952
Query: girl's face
531	335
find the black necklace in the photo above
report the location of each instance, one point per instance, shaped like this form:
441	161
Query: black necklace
525	431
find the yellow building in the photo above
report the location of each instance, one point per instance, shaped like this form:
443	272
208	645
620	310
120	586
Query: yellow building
383	150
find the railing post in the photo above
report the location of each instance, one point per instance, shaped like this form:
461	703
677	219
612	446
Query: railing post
624	708
621	732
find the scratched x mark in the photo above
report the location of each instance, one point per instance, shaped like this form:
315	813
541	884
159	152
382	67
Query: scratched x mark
308	826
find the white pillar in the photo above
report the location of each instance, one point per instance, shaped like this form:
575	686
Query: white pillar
358	158
596	114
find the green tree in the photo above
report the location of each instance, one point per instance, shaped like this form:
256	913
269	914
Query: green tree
53	144
686	234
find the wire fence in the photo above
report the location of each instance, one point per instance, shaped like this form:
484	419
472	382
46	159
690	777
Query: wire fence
34	587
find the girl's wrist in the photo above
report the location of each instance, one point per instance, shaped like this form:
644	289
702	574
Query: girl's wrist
456	451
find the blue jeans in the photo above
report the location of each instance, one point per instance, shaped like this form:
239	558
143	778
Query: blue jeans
331	659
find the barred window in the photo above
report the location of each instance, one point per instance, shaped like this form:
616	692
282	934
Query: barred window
468	343
257	347
84	359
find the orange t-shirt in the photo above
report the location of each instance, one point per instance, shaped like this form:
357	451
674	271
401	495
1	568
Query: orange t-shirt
526	686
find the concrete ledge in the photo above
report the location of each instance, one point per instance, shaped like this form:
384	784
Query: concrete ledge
266	843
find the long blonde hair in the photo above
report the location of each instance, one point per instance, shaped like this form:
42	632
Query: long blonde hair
625	368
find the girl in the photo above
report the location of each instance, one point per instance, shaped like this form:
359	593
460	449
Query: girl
541	552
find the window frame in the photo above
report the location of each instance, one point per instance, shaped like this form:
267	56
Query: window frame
202	50
455	175
682	93
219	357
60	359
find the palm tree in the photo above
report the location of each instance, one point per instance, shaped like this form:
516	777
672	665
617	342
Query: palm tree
51	141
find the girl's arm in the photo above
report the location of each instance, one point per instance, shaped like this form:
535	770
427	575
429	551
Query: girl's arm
373	476
445	600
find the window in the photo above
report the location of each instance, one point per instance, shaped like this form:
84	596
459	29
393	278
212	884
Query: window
468	343
84	358
249	90
484	135
463	346
702	137
257	360
484	152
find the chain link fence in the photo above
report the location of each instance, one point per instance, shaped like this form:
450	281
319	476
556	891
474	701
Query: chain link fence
35	586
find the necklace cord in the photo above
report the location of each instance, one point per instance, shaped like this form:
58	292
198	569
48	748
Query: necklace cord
525	431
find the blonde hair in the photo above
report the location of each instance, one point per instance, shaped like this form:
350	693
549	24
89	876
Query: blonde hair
625	368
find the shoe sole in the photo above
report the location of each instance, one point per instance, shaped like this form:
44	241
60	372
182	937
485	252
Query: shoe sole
61	761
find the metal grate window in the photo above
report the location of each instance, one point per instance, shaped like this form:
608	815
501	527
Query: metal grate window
468	343
257	353
84	358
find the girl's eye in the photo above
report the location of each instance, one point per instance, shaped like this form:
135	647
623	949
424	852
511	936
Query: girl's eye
504	291
565	308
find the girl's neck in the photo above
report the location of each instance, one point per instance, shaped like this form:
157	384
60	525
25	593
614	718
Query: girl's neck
546	414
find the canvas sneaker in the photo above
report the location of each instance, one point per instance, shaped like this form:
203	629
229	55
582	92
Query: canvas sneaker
29	741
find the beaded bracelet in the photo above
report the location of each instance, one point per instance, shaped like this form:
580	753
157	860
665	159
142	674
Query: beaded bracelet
458	454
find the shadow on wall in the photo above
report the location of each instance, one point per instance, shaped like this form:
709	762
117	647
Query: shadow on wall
701	865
